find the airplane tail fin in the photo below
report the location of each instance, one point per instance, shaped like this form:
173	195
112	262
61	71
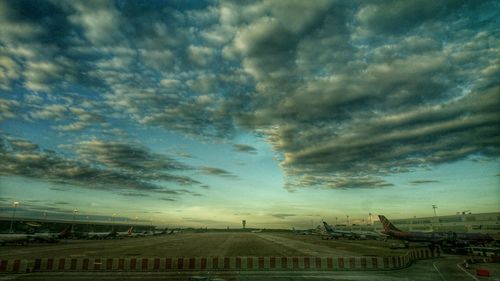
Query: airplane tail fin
387	224
328	227
65	231
130	230
113	230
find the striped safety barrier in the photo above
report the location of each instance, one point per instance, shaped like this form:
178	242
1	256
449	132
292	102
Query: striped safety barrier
213	263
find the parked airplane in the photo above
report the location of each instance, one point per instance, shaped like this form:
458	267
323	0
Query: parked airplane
351	234
163	232
332	233
173	231
15	238
362	234
24	238
50	237
301	232
148	233
458	239
101	235
139	234
122	234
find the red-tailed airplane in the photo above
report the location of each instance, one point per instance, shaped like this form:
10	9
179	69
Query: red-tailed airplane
454	238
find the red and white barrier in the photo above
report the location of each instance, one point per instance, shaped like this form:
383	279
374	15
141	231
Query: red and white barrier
213	263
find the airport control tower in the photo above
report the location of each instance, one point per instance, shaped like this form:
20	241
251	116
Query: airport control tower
244	223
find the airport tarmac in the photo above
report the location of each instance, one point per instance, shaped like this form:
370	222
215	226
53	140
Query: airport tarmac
227	244
442	269
204	244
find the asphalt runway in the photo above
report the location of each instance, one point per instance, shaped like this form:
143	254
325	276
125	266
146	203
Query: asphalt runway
233	244
204	244
441	269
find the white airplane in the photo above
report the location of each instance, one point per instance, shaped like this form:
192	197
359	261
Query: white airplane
23	238
351	234
51	237
163	232
334	233
101	235
15	238
127	233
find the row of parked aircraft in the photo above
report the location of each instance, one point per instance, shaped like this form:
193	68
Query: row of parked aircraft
450	238
68	233
328	232
331	232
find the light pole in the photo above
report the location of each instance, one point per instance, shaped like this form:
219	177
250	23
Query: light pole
14	205
74	214
434	207
88	223
74	220
348	220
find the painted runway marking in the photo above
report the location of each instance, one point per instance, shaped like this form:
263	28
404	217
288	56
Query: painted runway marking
468	273
440	274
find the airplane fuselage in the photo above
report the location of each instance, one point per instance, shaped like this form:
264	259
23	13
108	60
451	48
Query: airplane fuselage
433	237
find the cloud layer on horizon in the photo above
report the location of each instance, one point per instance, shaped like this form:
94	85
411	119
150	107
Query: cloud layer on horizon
127	169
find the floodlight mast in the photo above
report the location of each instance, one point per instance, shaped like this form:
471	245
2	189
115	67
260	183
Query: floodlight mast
14	206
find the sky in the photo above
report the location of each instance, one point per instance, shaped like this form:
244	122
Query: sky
280	113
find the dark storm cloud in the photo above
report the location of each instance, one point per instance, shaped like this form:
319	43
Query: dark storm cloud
345	91
177	192
39	38
327	180
282	216
389	17
417	182
371	110
89	43
242	214
113	171
244	148
23	145
126	156
217	172
133	194
61	203
8	108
